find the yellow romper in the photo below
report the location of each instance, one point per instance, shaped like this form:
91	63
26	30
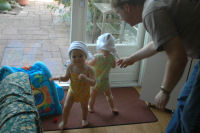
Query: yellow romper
80	89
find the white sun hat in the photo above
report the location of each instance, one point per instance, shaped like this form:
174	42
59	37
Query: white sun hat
78	45
107	42
81	46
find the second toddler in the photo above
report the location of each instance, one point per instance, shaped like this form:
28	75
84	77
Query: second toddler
103	61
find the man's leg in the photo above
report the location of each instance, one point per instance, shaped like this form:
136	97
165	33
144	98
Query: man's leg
176	122
191	112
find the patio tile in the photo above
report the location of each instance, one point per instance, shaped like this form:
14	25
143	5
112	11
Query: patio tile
26	43
55	66
15	44
12	57
64	54
32	36
32	51
2	48
9	31
47	54
27	31
50	48
30	59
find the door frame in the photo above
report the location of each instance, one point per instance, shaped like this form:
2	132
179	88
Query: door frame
78	20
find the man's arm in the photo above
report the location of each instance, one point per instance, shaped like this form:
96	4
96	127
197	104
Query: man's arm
147	51
177	60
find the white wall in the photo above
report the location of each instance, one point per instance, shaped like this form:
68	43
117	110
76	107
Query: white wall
152	79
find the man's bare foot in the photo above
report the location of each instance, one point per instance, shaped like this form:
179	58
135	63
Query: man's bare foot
90	109
84	123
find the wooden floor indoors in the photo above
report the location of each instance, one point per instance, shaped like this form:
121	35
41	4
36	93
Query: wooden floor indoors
155	127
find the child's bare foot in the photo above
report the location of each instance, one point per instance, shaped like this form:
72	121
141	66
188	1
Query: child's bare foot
84	123
90	109
115	112
61	125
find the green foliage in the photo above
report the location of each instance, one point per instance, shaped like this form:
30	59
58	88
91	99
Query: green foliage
63	14
52	7
66	3
112	18
12	1
4	5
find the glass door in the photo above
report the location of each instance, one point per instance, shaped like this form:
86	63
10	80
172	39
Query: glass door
91	18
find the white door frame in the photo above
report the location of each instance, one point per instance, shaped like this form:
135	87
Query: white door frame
78	20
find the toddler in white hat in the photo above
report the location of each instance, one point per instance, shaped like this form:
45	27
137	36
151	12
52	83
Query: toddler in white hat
103	61
81	77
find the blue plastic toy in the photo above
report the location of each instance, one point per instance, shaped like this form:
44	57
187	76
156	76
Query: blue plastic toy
47	93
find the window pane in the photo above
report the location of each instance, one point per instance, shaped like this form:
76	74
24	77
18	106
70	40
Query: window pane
101	19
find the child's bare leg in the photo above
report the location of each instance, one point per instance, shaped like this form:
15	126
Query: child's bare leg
84	106
109	98
67	107
92	101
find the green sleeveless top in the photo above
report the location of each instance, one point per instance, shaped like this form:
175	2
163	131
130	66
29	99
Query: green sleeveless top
102	68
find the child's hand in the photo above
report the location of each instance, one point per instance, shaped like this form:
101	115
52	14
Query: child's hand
50	79
124	62
82	77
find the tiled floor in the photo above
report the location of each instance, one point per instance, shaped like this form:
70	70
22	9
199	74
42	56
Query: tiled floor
34	35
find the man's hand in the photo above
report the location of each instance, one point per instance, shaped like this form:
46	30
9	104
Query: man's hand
124	62
161	99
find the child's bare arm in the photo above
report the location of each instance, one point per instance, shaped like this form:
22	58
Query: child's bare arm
92	62
63	78
92	77
114	64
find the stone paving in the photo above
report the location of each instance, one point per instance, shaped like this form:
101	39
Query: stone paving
33	35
